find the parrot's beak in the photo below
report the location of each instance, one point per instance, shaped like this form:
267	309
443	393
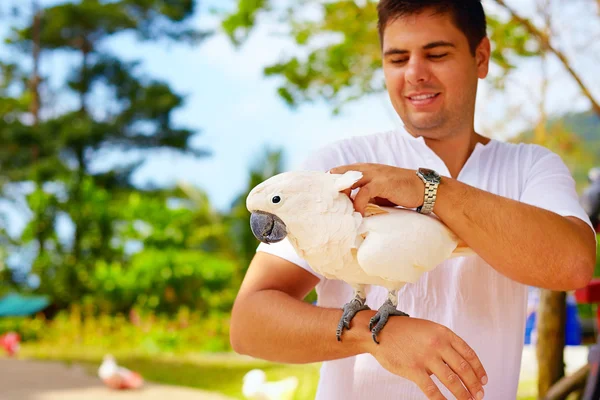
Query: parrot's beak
267	228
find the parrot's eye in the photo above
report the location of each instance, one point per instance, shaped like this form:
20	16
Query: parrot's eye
276	199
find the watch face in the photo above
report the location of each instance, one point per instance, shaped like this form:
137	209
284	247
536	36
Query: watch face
429	173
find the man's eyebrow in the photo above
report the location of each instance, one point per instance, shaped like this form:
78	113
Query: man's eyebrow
439	43
428	46
393	51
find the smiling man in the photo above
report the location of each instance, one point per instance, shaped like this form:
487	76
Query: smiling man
515	205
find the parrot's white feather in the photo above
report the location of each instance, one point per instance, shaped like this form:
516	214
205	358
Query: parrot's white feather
346	180
388	247
401	245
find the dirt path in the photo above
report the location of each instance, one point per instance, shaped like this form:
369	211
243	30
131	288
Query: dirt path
37	380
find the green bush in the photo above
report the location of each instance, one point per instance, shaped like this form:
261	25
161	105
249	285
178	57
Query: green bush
163	281
139	332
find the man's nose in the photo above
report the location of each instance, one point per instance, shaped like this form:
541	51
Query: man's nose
417	72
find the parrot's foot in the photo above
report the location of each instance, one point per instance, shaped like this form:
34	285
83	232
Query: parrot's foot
350	309
380	319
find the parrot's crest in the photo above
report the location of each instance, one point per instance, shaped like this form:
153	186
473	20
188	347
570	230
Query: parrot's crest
347	179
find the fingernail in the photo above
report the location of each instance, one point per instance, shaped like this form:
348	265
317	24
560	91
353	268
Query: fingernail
479	395
484	380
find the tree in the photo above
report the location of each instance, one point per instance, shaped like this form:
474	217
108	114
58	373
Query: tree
49	153
228	233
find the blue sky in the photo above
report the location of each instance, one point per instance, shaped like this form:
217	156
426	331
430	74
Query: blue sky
239	112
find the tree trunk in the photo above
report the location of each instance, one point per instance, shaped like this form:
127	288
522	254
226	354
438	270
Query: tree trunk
34	108
35	79
551	317
574	383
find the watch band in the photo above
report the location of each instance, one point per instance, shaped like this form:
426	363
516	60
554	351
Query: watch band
429	198
431	179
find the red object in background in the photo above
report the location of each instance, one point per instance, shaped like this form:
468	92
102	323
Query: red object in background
125	381
10	342
590	295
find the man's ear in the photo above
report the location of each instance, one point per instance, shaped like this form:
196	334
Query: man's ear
482	56
347	179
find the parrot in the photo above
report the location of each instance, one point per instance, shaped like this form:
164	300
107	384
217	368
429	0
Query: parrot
388	246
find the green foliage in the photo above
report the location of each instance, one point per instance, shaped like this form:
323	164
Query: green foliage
138	332
55	153
239	24
339	60
164	281
510	42
78	26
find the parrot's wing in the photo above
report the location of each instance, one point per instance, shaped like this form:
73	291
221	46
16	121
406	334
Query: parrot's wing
400	245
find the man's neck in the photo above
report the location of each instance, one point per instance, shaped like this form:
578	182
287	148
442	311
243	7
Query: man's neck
456	150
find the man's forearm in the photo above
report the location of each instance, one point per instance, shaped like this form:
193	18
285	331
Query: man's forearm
528	244
274	326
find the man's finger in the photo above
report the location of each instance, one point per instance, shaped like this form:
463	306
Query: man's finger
465	371
429	388
362	198
450	379
471	357
341	169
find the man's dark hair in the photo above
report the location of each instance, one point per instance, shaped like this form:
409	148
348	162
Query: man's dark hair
468	15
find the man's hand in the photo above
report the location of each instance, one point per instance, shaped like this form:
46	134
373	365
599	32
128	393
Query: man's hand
384	185
416	348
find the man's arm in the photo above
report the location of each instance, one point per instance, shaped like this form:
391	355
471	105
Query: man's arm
526	243
270	321
529	244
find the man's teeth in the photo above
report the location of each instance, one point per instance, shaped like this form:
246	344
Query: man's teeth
423	97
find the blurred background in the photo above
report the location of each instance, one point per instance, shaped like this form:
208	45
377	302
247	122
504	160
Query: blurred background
132	130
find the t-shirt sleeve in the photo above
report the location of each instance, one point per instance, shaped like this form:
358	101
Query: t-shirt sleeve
322	160
550	185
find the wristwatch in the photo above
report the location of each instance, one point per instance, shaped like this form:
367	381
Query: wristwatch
431	179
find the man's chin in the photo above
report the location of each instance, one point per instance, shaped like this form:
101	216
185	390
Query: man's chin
425	123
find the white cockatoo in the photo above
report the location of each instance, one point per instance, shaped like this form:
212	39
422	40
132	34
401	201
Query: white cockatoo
388	247
256	387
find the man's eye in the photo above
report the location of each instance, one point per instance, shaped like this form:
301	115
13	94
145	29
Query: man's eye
437	56
399	61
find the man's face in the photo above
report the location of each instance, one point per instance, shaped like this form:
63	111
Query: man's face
431	75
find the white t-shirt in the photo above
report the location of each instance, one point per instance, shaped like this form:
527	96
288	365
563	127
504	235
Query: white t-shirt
485	308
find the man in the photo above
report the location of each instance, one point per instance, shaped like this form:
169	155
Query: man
514	205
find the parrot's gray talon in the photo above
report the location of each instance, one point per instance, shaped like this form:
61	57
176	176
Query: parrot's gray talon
380	319
350	309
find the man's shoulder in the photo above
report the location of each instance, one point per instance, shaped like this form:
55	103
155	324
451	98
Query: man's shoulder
352	149
525	152
363	139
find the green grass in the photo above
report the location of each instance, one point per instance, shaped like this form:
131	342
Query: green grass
221	373
213	372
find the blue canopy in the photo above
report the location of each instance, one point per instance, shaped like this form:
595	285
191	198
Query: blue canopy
15	305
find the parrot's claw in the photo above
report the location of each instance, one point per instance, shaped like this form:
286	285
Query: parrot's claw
380	319
350	309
